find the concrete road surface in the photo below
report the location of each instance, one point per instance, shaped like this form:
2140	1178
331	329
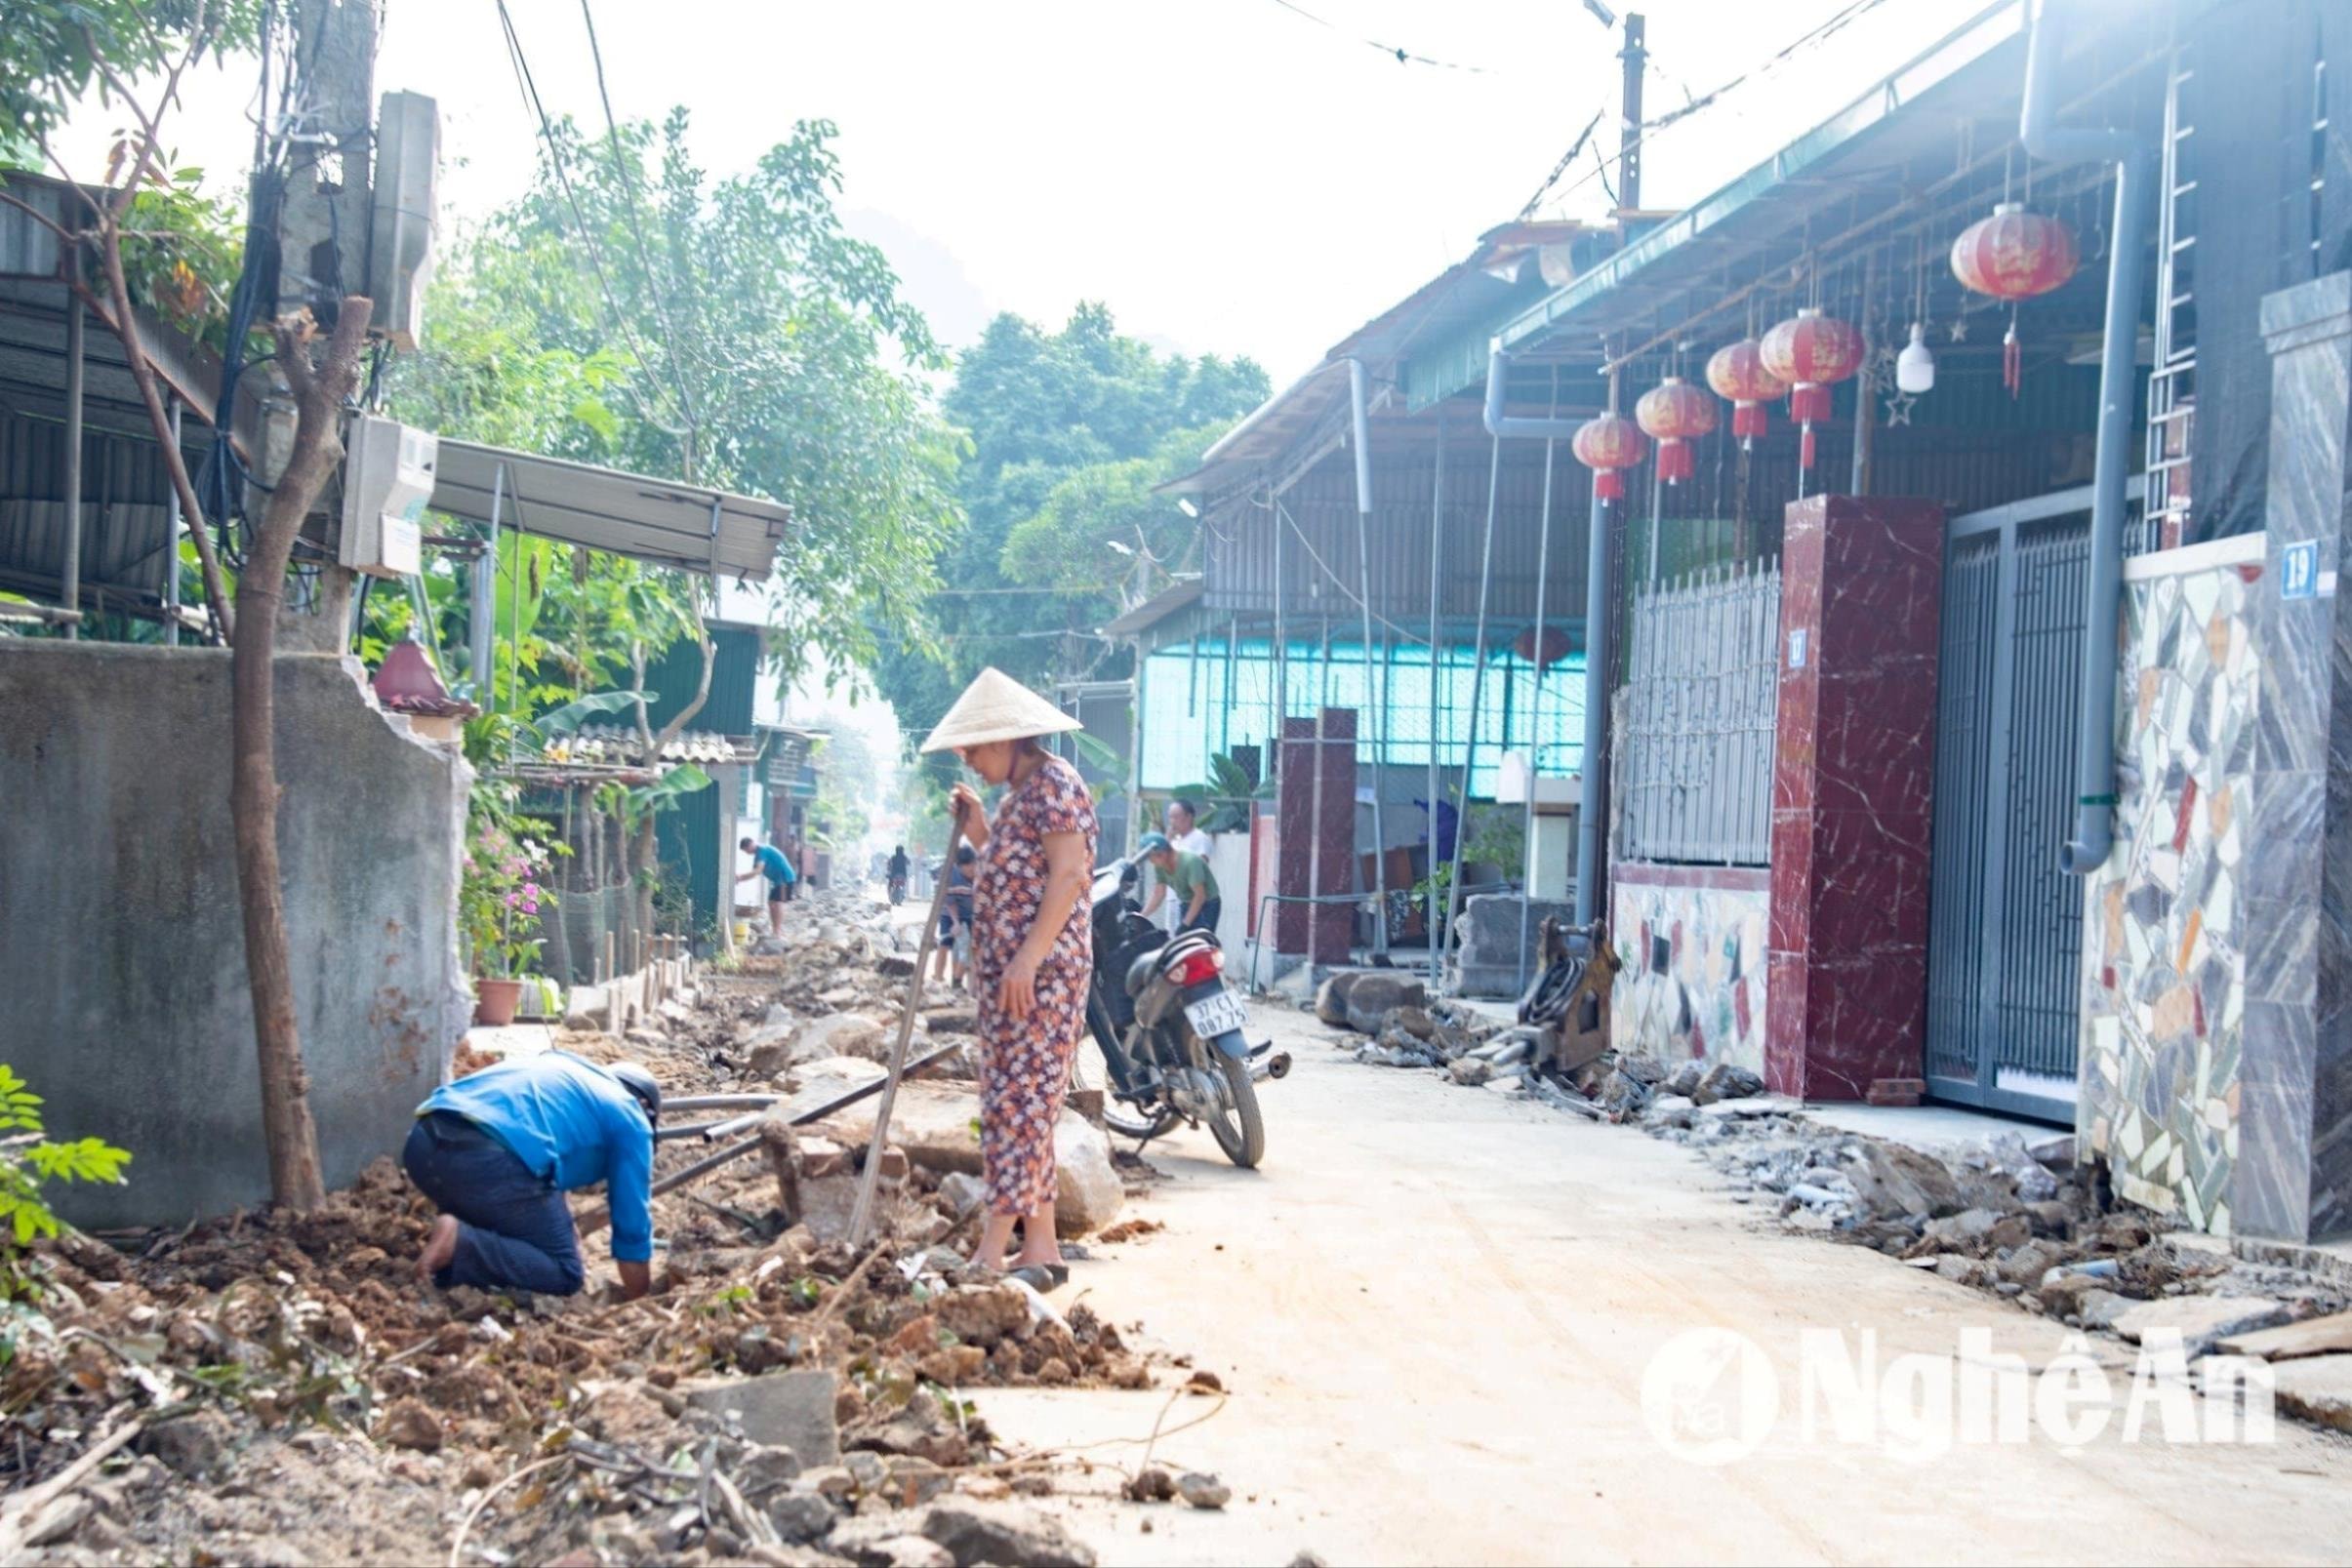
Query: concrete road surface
1437	1309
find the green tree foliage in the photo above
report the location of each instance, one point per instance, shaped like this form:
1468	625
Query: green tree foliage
728	332
30	1160
1070	430
54	52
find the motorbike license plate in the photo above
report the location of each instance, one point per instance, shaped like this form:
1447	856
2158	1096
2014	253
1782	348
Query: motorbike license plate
1221	1014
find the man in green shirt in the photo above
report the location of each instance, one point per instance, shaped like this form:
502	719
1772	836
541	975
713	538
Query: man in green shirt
1187	879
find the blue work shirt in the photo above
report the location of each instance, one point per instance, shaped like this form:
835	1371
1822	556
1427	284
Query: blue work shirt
771	859
571	1123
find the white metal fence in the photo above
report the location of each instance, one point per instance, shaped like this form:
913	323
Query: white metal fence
1702	697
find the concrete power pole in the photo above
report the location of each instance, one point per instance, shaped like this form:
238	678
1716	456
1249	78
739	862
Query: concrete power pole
1635	55
323	240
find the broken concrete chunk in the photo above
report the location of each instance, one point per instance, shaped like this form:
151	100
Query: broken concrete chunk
1893	1180
983	1314
1469	1071
1413	1021
1725	1080
2200	1320
1669	1111
1203	1491
2314	1336
2316	1388
1683	1080
791	1410
978	1532
839	1034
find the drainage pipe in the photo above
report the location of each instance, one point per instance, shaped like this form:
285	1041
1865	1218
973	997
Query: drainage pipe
2134	160
1359	396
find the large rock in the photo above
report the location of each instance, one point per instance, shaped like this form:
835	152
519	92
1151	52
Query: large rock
829	1078
1331	997
791	1410
1087	1190
1376	994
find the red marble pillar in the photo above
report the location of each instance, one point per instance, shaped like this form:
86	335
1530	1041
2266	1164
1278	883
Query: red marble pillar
1854	775
1308	768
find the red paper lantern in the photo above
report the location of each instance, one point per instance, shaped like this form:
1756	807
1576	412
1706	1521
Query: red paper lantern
1553	649
1608	444
1737	374
2014	254
1676	414
1812	352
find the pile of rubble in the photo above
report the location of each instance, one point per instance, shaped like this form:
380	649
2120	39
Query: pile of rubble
275	1386
2013	1218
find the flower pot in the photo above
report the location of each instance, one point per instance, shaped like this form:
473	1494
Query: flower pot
495	1000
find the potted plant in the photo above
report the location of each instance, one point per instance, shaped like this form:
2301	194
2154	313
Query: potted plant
501	902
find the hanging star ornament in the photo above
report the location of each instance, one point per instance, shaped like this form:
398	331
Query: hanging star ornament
1898	409
1959	329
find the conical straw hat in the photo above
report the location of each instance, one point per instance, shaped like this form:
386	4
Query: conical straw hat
997	708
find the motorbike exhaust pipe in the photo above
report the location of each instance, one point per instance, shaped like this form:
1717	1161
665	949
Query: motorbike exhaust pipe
1276	1065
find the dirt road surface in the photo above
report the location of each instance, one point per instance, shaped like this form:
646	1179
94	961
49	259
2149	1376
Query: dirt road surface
1435	1307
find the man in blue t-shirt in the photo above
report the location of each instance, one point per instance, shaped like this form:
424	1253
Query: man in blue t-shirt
497	1150
776	866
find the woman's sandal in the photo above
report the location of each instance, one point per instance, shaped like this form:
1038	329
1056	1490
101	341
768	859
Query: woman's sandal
1041	1278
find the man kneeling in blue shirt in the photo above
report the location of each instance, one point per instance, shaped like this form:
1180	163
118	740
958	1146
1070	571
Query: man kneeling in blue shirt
498	1149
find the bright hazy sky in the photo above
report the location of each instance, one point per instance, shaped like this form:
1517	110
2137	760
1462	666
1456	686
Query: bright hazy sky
1228	176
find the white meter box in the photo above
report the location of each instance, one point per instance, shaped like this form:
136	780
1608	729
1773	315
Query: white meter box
387	478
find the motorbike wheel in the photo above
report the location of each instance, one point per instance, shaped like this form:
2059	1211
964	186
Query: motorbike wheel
1128	1122
1240	1130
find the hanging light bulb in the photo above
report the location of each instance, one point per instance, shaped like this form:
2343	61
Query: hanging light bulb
1915	367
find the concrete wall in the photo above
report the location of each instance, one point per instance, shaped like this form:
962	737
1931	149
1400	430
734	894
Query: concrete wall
120	934
1690	944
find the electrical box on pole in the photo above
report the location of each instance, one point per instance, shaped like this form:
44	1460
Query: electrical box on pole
387	478
400	214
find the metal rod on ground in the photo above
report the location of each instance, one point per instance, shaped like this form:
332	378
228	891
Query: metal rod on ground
862	1215
597	1219
1535	716
842	1102
1478	682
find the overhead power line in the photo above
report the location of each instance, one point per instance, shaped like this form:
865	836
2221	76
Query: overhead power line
529	88
1402	56
623	166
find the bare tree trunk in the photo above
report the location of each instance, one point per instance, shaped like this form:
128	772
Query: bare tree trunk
319	394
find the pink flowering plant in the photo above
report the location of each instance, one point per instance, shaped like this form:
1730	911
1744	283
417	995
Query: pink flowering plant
504	894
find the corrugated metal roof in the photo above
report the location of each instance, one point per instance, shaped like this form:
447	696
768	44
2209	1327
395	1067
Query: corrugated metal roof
1153	609
646	519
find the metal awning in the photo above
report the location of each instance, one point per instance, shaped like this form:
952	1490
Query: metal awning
646	519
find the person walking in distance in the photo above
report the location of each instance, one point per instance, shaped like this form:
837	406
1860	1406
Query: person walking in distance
1032	950
772	862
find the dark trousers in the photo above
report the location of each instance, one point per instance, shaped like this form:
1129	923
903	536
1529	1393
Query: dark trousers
791	891
514	1231
1206	920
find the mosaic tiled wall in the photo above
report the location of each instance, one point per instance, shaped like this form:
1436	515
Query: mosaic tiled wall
1691	955
2163	934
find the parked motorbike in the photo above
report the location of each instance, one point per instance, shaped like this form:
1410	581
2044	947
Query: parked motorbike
1171	1028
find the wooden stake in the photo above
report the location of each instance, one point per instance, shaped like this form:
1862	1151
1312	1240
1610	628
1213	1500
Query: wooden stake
863	1214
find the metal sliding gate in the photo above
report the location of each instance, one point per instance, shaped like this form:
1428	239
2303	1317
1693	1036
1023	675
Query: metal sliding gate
2004	936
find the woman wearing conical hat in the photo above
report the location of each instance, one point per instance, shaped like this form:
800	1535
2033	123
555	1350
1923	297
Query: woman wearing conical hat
1032	946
